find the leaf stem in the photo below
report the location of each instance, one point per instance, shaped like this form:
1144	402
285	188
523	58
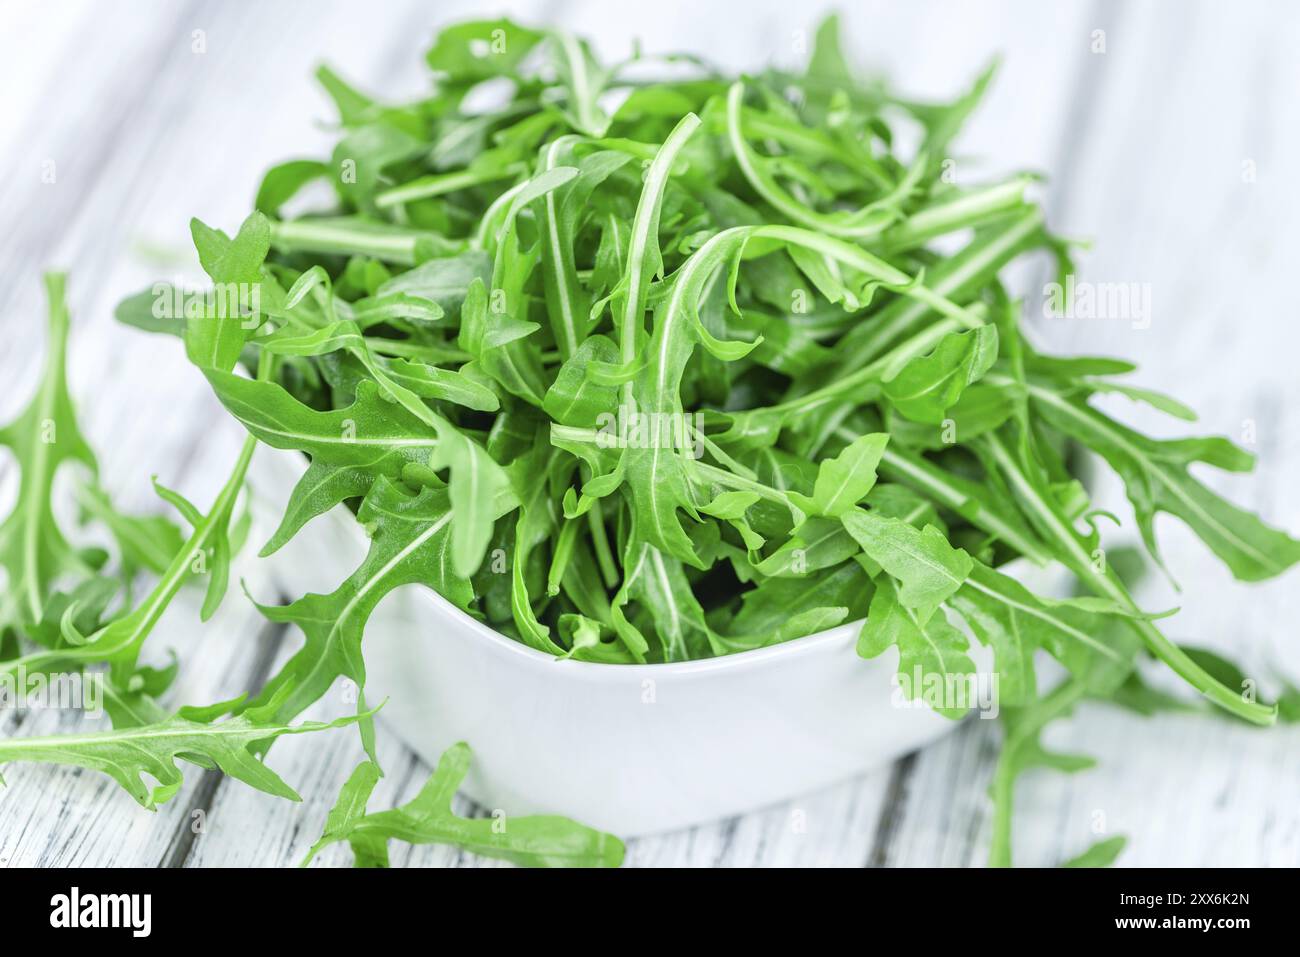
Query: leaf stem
1062	698
392	244
438	184
968	209
645	228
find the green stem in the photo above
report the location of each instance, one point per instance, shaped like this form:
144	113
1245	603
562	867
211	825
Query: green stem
969	209
919	472
645	229
962	275
439	184
120	640
392	244
740	483
810	141
600	541
1062	698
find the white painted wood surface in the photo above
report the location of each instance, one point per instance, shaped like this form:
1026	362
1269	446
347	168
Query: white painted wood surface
1146	144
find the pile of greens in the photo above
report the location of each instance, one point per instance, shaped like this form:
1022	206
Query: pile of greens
632	371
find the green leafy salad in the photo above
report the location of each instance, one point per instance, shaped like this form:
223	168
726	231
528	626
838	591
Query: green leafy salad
711	363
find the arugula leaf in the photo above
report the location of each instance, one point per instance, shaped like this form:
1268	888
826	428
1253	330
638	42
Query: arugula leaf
659	583
1156	477
215	340
928	647
1101	854
1073	551
845	480
765	608
470	52
33	549
1095	676
207	550
147	542
126	754
1022	751
1014	622
927	386
927	568
536	841
411	543
535	524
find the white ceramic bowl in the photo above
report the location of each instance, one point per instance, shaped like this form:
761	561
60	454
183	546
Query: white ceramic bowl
631	749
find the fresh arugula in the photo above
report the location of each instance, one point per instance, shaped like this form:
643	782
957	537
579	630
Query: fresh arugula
127	754
33	550
716	367
537	841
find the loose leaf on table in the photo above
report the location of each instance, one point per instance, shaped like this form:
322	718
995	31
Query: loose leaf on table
533	841
207	551
75	613
1022	750
146	542
127	754
1103	853
33	549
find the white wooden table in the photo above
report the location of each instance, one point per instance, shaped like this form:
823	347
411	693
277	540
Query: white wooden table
1175	149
